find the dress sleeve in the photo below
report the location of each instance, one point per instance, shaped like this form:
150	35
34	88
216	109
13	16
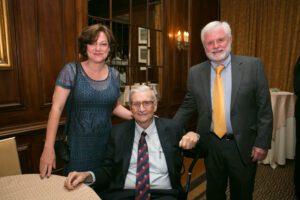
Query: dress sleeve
116	78
66	76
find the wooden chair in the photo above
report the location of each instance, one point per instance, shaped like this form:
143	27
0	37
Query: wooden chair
9	159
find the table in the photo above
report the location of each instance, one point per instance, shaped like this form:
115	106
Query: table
284	129
32	187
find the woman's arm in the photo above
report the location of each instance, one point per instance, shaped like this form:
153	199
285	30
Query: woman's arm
47	160
122	112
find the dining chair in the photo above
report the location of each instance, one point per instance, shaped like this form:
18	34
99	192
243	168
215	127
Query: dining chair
9	159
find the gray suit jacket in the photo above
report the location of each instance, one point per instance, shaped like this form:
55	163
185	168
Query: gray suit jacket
251	110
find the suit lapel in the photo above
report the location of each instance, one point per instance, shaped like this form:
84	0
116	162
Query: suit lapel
236	70
205	77
166	144
161	133
128	141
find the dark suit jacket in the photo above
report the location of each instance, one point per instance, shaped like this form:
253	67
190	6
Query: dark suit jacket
251	110
297	87
297	115
115	166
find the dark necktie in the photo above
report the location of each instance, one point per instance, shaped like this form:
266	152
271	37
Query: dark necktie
142	187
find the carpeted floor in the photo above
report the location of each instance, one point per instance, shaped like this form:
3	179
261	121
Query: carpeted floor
274	184
270	184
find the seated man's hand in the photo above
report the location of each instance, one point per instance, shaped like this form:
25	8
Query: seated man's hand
189	140
76	178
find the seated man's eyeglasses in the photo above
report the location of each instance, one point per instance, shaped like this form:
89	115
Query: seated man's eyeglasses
146	104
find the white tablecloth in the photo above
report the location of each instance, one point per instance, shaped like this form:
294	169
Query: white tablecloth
31	187
284	129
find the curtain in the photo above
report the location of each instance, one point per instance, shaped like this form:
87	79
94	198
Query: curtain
269	29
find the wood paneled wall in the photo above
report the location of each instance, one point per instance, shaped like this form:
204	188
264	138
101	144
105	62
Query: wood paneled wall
43	35
44	38
191	16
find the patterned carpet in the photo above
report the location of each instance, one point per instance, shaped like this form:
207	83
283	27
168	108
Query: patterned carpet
270	184
274	184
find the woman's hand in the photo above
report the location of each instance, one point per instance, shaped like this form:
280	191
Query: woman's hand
47	162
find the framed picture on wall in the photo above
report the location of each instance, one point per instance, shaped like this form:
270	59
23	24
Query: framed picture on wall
5	57
142	54
142	35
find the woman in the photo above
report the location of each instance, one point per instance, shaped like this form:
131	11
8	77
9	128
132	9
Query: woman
94	99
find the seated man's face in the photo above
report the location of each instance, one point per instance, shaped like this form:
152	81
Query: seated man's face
143	108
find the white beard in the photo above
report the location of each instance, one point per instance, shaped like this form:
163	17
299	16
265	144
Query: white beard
220	57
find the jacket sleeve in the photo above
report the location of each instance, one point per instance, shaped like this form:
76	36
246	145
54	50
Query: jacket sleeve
189	105
264	109
297	77
103	173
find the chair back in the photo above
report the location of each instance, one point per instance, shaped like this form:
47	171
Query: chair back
9	159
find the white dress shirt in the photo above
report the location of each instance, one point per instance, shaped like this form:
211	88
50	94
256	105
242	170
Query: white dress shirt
159	176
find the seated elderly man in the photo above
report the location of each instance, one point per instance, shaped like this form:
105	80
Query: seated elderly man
143	157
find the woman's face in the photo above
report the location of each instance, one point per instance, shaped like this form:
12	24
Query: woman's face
98	51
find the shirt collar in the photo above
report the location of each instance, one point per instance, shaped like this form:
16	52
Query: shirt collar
225	63
148	130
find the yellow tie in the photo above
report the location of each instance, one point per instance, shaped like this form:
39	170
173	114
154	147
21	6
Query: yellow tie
219	108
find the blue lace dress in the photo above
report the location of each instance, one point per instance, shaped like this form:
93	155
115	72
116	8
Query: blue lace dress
90	115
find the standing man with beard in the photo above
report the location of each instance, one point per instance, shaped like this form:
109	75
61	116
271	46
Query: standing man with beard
231	96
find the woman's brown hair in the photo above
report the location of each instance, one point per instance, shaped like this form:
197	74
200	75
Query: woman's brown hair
90	34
